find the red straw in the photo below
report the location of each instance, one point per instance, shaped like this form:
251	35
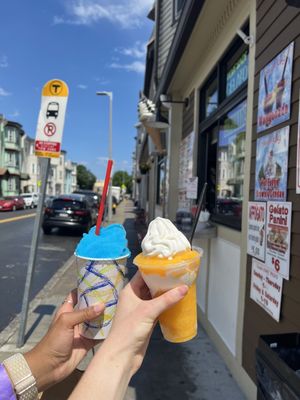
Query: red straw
103	198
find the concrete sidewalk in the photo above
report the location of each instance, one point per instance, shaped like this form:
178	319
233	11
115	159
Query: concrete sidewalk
189	371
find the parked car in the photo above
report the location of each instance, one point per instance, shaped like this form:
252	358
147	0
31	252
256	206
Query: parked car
48	200
12	203
69	211
31	199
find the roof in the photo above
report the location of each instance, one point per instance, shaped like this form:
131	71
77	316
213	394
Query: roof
3	171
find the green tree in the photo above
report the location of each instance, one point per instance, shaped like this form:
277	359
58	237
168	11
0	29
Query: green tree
122	177
85	178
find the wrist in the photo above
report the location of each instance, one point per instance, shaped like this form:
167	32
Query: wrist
42	371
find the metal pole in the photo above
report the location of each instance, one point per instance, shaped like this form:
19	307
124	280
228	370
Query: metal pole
45	162
110	95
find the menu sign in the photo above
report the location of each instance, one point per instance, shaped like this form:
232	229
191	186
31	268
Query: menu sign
185	170
279	237
266	288
272	165
256	243
274	99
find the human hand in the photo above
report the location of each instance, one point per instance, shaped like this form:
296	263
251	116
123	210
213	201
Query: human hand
62	348
135	319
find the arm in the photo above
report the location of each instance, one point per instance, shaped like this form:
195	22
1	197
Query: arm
122	353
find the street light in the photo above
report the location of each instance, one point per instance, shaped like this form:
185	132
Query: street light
110	96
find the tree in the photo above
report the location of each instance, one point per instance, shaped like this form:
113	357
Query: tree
122	177
85	178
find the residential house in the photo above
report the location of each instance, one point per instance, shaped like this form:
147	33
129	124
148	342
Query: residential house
11	134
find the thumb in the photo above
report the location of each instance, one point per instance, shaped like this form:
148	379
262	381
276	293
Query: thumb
70	319
168	299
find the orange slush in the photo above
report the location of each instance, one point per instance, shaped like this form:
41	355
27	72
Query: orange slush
179	323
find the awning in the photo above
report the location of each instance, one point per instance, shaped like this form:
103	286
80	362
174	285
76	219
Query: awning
3	171
24	176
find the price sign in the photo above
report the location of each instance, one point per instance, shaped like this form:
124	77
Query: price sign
51	119
256	241
278	242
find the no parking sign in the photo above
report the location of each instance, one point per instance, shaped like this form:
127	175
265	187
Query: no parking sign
51	119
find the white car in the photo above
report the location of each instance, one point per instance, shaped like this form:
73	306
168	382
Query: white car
31	199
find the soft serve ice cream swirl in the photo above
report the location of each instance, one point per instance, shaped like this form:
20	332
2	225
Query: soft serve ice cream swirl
163	239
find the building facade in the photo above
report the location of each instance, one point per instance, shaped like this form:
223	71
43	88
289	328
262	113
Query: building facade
205	76
11	134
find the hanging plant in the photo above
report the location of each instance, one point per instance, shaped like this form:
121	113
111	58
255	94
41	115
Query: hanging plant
144	168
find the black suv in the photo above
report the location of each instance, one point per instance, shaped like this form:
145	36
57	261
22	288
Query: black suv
69	211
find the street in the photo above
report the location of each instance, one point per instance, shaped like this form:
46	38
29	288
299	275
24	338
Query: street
15	239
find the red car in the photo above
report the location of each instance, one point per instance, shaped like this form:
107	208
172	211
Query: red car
12	203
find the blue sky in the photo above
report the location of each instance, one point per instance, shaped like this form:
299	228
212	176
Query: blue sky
90	44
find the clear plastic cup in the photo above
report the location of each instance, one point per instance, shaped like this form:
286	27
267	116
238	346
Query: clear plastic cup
99	280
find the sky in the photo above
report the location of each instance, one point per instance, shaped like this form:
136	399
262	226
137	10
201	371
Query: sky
92	45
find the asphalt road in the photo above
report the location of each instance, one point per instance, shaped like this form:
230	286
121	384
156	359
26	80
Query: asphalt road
15	239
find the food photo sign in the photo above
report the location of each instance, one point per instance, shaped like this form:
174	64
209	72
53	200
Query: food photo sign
266	288
272	165
274	99
278	240
256	243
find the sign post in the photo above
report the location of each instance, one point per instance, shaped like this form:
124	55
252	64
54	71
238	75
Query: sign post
47	144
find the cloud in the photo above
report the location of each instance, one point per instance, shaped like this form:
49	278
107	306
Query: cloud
81	86
3	92
135	66
101	81
3	62
126	13
138	50
14	114
102	160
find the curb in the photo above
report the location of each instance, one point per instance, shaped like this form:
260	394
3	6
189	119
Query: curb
13	326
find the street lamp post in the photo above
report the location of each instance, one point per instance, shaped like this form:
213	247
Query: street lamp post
110	96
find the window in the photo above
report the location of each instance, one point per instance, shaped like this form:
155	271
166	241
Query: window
33	168
10	135
177	8
11	184
10	159
60	174
223	111
161	182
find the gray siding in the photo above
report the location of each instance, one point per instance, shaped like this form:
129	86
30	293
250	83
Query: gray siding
166	31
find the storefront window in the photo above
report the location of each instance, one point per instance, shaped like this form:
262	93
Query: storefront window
211	98
230	165
237	74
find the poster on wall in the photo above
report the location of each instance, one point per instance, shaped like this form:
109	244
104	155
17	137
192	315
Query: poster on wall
272	165
298	154
192	188
185	170
256	236
278	240
266	288
274	98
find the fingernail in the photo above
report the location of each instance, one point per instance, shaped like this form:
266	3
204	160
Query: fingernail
183	290
98	308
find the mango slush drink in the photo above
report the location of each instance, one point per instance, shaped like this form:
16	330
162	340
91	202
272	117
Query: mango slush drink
167	261
101	267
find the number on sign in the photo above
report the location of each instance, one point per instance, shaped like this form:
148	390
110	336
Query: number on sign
276	263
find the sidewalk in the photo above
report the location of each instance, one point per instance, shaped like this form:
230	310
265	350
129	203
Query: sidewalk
189	371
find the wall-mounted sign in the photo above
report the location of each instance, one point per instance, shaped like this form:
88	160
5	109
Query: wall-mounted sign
192	188
237	74
298	155
266	288
274	99
256	241
272	165
51	119
278	241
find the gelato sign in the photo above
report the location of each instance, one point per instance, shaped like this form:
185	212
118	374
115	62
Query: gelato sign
272	165
266	288
274	99
279	237
256	243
